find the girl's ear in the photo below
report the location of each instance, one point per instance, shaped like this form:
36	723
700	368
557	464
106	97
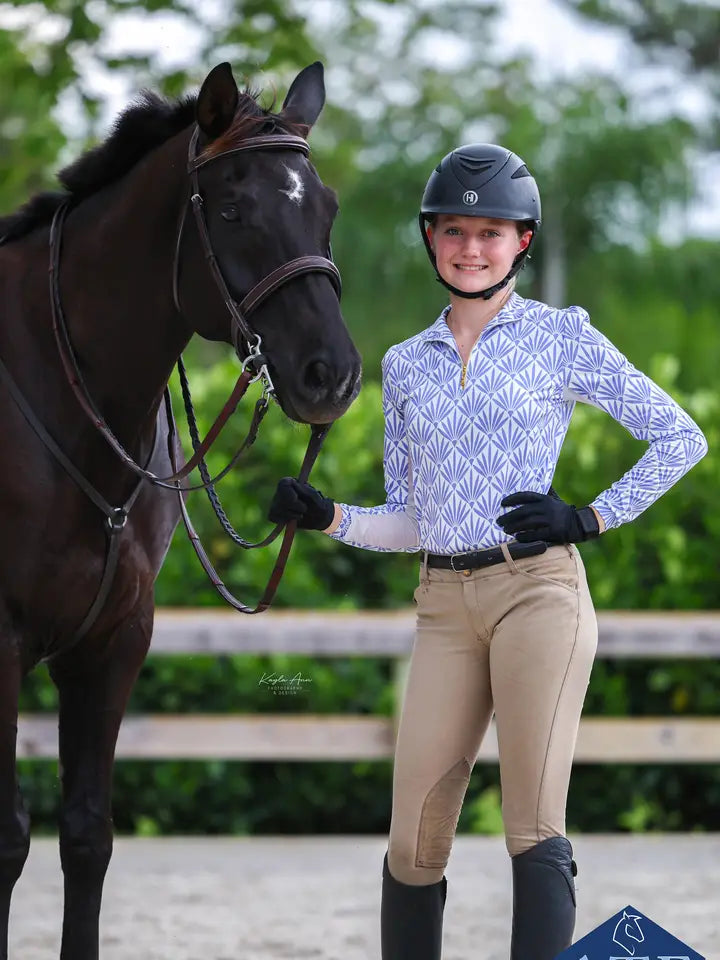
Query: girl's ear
429	234
525	240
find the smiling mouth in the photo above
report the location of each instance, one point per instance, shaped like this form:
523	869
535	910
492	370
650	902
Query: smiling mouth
469	267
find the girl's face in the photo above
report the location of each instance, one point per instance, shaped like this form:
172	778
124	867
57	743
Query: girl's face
473	253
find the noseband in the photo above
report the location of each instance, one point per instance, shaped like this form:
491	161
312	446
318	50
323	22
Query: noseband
248	346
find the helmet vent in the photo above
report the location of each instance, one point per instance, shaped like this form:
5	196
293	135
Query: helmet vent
474	164
521	172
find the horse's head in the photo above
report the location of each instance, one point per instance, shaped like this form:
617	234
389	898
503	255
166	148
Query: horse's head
264	208
627	933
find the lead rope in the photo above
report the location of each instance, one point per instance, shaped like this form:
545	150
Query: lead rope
205	473
318	434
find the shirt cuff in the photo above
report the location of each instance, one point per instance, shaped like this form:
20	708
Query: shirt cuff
342	528
608	518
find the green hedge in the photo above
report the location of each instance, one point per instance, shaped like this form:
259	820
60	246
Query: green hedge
666	559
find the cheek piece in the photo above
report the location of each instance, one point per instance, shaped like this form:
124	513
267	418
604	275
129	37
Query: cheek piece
517	265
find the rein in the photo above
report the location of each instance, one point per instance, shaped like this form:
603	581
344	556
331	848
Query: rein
248	346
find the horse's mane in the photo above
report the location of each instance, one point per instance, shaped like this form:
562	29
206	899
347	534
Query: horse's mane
145	124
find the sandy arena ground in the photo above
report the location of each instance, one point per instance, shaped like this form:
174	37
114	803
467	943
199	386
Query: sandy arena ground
319	897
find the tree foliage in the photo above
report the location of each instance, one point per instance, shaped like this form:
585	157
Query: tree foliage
681	32
30	138
682	35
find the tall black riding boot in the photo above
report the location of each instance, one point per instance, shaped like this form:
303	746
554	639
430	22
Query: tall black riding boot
411	918
543	900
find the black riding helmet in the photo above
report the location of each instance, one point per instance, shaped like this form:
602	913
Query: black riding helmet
482	180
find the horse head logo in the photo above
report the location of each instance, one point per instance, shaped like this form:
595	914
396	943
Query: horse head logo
628	930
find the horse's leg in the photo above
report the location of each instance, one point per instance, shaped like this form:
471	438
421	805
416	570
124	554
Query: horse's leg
14	821
93	690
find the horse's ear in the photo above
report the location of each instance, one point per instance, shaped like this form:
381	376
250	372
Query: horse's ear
217	101
306	96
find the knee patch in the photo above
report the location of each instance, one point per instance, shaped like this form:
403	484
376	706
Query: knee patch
439	816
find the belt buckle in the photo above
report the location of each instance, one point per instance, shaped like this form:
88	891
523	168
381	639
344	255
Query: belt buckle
452	562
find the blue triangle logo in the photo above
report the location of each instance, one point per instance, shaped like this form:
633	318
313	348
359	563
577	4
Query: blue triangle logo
629	935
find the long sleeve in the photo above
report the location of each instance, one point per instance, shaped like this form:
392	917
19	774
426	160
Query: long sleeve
599	374
393	525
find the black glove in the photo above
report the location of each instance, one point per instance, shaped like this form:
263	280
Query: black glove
295	500
547	517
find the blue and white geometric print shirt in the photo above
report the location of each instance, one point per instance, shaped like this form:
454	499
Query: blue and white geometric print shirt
452	452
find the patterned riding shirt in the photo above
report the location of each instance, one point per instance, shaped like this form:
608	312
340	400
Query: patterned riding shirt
459	440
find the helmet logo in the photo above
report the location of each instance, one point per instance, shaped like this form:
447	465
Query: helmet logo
470	197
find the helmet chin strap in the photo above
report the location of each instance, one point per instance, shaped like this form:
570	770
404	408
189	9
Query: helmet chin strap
485	294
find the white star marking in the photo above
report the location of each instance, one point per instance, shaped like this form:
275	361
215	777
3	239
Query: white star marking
296	188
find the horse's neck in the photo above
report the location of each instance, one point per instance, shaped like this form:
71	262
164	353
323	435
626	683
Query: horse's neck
116	275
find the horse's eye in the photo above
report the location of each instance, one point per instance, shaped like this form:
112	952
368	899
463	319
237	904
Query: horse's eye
230	212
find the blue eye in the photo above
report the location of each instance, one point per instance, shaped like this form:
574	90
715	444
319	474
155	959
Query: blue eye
451	229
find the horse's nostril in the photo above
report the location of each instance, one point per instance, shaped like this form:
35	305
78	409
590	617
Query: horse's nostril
347	388
317	375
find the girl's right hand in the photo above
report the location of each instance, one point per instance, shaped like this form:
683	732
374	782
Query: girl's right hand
296	500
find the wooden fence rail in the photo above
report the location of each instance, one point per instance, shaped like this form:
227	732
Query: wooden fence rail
390	634
327	737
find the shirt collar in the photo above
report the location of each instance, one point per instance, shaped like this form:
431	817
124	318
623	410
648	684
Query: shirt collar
512	309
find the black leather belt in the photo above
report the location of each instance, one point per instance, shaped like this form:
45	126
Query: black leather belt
487	557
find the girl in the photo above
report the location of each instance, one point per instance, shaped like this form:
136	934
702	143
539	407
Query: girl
476	410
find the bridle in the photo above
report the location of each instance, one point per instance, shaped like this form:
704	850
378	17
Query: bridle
248	345
269	284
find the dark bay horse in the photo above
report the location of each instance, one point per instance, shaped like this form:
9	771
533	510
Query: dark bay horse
126	268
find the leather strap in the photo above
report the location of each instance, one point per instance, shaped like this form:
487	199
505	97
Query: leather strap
270	141
288	271
485	558
318	434
205	474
